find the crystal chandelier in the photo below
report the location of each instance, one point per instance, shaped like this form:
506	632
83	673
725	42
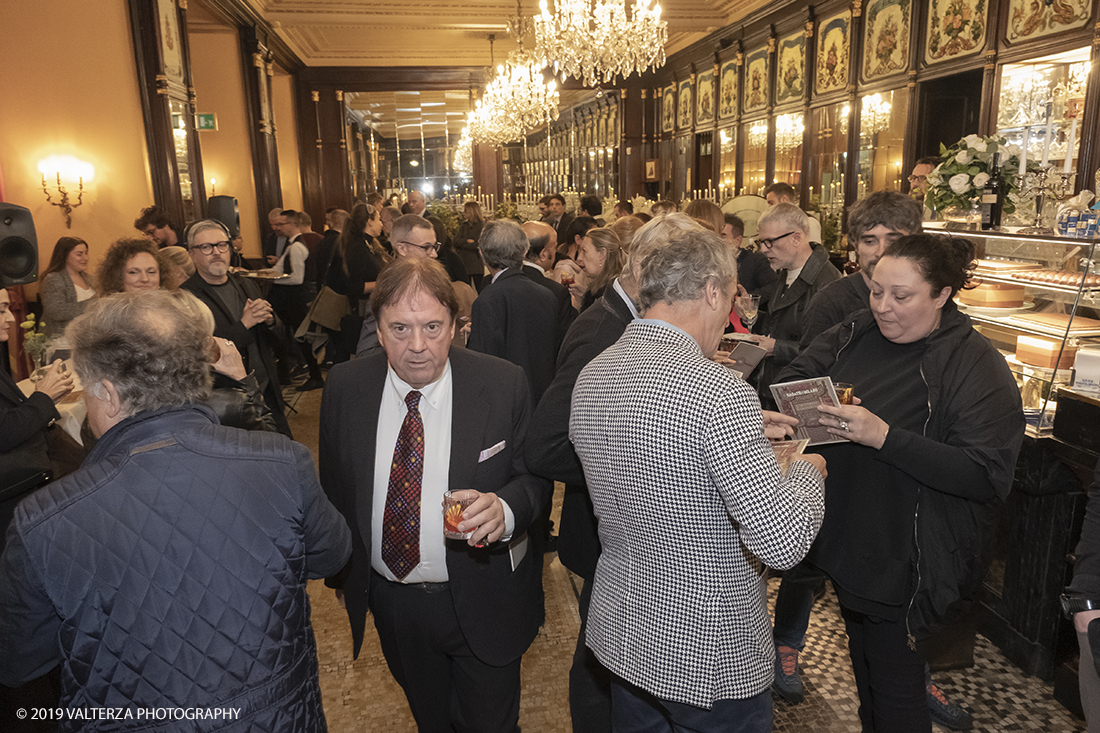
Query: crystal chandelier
464	153
788	133
594	40
517	99
875	116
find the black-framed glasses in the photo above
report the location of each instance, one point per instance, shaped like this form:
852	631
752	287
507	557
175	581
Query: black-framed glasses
426	247
207	248
769	243
914	179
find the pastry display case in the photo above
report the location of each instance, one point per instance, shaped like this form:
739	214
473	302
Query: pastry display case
1038	301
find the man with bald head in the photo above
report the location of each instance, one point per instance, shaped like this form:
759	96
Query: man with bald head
276	241
417	203
542	243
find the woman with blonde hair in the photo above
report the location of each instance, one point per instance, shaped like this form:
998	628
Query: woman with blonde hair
706	213
175	266
601	258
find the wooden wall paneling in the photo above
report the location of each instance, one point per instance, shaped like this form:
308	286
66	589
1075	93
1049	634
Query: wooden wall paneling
257	62
309	146
807	95
631	146
852	164
158	87
769	173
1088	155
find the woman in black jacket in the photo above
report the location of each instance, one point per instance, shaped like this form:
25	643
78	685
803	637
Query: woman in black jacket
469	232
354	269
911	498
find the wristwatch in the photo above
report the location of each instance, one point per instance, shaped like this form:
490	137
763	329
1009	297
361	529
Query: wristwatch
1077	604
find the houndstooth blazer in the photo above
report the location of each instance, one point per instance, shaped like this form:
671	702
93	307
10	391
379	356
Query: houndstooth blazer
691	505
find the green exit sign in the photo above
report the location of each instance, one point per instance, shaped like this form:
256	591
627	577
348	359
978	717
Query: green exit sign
206	122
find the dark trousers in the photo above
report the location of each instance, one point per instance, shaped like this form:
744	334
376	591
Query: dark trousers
637	711
889	675
589	681
793	604
448	688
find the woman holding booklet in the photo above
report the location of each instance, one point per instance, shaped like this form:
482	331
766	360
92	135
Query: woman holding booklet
910	500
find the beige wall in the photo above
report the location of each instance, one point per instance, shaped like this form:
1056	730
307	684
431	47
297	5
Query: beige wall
227	151
286	135
69	87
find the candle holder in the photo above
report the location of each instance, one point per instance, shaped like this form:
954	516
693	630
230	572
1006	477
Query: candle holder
1034	183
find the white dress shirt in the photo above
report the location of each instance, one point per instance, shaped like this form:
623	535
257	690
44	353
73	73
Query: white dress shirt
436	403
297	252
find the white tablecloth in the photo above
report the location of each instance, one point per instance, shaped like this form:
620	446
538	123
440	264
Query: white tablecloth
72	407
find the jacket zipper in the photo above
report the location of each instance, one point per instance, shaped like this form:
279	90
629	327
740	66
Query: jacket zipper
910	639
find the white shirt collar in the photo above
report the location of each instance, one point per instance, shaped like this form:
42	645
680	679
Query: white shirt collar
430	393
537	266
626	298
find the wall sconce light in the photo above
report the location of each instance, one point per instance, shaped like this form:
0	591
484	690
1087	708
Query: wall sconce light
68	168
213	186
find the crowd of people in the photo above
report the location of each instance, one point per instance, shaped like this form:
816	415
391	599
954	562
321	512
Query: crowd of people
167	568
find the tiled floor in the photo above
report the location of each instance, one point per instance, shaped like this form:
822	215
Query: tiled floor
361	695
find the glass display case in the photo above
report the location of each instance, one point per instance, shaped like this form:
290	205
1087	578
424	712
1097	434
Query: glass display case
882	120
1038	302
1044	98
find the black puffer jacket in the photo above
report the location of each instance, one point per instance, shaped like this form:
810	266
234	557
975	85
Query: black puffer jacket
963	461
170	572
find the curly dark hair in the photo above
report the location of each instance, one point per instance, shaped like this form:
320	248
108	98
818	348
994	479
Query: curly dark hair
109	276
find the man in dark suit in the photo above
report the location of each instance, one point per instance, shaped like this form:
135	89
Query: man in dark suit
557	217
398	429
275	242
240	313
539	262
514	318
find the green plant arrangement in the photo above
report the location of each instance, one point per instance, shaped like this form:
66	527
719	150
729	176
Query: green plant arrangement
446	214
964	170
35	344
507	210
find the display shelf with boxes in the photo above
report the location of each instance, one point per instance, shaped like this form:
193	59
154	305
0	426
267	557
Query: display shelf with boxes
1037	299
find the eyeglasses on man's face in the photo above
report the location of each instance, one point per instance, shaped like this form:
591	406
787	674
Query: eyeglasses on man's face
917	179
426	247
207	248
769	243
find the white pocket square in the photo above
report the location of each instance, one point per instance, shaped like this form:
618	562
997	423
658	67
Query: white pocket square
490	452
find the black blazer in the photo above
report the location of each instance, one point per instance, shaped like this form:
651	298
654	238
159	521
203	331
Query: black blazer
566	311
499	610
549	450
228	325
517	320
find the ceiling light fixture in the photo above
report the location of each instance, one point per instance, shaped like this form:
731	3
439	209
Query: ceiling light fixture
596	41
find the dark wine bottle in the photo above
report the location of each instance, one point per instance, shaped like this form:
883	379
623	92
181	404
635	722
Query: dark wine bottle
993	196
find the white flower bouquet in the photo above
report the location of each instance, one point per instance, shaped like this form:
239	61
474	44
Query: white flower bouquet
965	169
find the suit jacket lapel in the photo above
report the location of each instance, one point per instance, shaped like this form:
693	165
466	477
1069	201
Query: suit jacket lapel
468	421
365	424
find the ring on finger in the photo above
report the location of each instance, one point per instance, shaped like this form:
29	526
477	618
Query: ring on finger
844	426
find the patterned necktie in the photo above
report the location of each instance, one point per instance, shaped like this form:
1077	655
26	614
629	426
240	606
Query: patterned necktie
401	519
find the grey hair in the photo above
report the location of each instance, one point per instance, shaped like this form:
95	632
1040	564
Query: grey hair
150	346
199	227
788	216
655	234
503	244
406	223
682	268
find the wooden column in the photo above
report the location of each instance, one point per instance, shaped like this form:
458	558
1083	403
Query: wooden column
256	60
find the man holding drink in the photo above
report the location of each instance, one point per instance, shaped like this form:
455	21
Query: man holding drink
399	429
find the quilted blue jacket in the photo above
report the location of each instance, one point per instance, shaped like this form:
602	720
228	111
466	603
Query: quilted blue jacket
169	573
